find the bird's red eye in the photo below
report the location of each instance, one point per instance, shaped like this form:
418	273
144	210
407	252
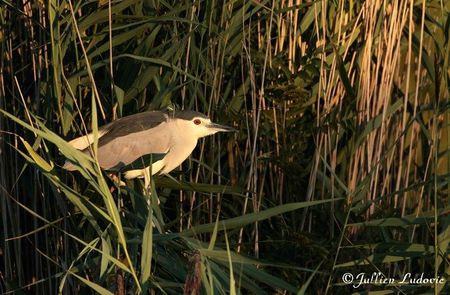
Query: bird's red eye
197	121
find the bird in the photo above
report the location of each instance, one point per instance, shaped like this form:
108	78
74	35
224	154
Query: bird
172	133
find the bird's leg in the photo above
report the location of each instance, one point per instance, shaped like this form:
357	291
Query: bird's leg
147	181
147	184
148	189
116	184
115	180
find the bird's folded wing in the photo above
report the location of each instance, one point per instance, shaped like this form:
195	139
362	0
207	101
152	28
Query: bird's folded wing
124	150
123	141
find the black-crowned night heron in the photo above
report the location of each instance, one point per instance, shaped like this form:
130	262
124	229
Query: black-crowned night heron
125	140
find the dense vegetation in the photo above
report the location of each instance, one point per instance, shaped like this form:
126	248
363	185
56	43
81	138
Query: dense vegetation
340	163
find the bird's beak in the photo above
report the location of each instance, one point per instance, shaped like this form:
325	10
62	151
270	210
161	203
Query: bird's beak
218	127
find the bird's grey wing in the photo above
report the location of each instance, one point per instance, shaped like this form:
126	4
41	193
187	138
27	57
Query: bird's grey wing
132	124
123	150
121	127
115	131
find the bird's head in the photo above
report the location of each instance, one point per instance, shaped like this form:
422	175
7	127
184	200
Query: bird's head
199	125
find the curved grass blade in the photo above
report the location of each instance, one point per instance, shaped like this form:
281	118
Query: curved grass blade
252	217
